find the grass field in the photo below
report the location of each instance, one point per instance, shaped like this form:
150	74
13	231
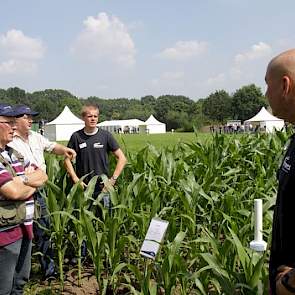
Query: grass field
135	142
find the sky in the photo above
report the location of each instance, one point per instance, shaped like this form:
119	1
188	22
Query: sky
128	48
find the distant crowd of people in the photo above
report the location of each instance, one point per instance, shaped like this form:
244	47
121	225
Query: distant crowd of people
236	128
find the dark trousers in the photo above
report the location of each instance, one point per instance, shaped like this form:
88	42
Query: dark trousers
15	266
42	237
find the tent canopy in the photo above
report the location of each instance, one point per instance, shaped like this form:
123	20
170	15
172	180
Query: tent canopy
62	127
267	121
126	126
152	121
130	122
66	117
151	125
155	126
263	115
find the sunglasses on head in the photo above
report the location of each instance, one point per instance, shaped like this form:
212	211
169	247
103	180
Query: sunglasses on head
22	115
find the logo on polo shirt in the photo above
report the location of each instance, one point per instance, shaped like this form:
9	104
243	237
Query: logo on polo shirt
286	166
98	145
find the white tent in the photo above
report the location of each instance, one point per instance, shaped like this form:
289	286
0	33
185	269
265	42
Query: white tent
266	121
154	126
123	126
62	127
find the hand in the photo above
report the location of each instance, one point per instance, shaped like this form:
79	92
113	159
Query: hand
109	184
282	270
69	153
280	288
82	183
29	169
18	180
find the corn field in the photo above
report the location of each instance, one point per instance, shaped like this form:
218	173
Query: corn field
205	191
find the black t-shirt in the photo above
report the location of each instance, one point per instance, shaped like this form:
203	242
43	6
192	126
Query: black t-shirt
92	152
283	234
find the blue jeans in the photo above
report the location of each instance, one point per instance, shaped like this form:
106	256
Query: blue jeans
15	266
42	238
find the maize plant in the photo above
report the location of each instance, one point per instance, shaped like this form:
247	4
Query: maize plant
205	191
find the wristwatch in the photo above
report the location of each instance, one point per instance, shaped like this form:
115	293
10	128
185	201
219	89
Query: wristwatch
114	177
25	179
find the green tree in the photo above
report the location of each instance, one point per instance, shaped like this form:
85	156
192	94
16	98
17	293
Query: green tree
16	95
3	96
50	102
73	103
217	106
198	117
148	100
46	109
174	110
247	101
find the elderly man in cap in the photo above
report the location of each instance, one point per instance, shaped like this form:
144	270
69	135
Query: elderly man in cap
18	181
32	146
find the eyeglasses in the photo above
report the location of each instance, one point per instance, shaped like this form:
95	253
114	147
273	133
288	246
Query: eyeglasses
10	123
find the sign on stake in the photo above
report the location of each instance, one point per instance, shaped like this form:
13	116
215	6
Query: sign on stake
154	237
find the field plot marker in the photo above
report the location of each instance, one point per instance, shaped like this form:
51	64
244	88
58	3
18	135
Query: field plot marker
154	237
258	244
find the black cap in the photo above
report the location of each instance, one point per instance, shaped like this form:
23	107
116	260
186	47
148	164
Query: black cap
24	110
7	110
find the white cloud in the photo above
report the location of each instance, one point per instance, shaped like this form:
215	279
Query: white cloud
244	68
16	66
257	51
105	37
184	50
14	44
19	53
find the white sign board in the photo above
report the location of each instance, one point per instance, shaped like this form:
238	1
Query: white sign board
154	237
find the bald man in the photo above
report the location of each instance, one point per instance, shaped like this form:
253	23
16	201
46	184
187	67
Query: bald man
280	80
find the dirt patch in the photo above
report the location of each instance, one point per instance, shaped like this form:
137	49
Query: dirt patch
88	286
88	283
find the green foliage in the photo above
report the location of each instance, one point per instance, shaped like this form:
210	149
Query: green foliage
247	101
217	106
205	190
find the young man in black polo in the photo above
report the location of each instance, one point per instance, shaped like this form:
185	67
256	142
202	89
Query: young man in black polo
92	146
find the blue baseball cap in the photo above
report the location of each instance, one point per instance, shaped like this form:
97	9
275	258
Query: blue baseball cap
24	110
7	110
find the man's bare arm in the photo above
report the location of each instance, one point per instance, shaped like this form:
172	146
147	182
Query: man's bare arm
121	162
36	178
62	150
71	170
16	189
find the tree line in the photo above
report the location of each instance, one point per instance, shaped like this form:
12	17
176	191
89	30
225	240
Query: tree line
178	112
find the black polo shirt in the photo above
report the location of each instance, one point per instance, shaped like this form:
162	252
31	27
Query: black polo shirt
283	234
92	152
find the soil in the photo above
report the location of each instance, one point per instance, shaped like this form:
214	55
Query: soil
88	286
